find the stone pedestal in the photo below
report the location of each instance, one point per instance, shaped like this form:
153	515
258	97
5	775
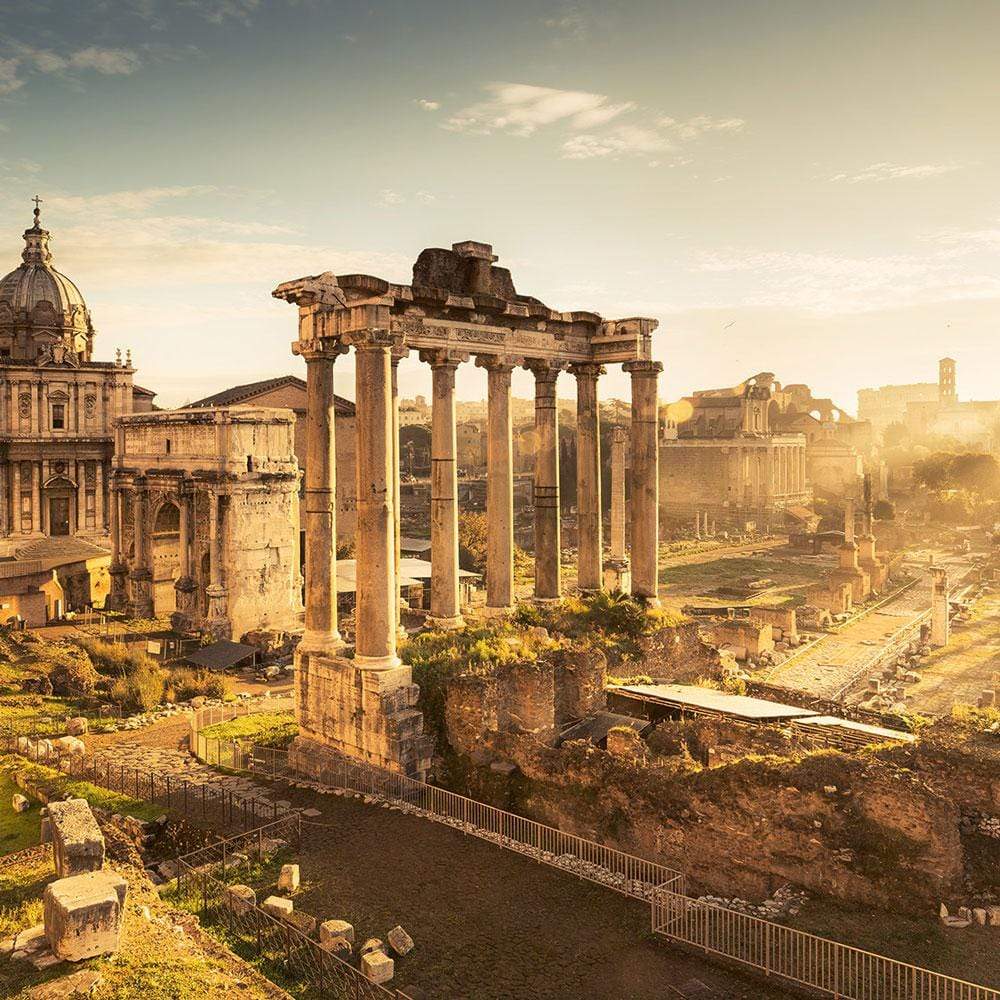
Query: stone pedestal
83	915
117	599
365	714
140	599
617	576
218	624
185	600
77	841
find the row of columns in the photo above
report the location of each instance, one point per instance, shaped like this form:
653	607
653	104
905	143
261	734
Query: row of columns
14	487
377	490
112	398
788	469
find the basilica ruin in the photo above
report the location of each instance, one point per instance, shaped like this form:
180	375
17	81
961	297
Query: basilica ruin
460	306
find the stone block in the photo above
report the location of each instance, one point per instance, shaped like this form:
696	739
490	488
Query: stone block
79	984
338	946
83	915
377	966
19	803
240	898
78	726
288	880
372	944
330	929
278	906
400	942
69	745
77	841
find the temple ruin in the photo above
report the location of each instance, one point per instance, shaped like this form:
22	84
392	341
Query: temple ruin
459	306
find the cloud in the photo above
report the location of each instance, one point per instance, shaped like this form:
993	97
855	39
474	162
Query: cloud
9	78
598	126
424	104
220	11
426	198
692	128
521	109
111	62
626	140
131	201
877	172
387	198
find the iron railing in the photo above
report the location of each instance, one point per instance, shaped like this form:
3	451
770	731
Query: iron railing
797	957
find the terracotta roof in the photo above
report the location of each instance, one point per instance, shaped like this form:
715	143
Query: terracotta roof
241	393
140	390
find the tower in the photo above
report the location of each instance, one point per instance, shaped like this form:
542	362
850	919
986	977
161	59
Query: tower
947	387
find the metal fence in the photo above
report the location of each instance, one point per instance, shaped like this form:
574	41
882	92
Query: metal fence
626	873
202	885
806	960
202	802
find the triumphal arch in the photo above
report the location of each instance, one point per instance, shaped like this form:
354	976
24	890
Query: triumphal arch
460	306
204	509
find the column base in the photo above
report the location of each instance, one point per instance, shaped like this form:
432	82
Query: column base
369	715
445	624
545	601
320	641
376	663
499	611
618	576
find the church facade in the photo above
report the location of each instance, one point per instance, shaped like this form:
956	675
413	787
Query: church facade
58	406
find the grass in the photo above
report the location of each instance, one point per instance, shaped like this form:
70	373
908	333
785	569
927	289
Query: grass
268	729
58	785
21	885
154	962
17	830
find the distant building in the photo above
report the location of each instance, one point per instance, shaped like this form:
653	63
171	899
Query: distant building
888	404
722	458
58	406
289	392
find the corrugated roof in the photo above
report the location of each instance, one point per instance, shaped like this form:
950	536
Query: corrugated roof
220	655
240	393
689	696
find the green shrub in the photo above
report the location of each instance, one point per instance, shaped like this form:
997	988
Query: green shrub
113	658
184	684
71	671
141	690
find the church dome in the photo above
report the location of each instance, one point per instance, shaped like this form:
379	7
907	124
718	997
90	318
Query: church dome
35	298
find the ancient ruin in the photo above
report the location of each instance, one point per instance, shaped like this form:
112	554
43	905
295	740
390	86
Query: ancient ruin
459	306
204	515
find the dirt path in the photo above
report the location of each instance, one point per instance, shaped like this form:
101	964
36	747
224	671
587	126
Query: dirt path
489	924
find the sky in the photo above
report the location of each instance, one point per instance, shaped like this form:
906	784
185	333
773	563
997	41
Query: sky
799	187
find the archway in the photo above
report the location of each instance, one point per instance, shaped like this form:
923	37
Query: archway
59	506
166	558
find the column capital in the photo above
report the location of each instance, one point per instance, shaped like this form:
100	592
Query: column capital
643	367
498	363
373	339
443	358
543	370
399	351
587	370
320	350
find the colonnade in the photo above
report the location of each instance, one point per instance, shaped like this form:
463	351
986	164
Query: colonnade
376	620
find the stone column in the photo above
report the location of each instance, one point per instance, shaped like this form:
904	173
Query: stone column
618	438
17	525
940	623
218	621
376	585
321	632
588	476
444	492
118	597
100	524
645	478
185	586
36	497
499	487
140	579
548	584
397	355
81	496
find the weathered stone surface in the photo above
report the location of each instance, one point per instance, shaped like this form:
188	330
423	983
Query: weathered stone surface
19	803
372	944
79	984
400	942
278	906
330	929
77	841
288	880
78	726
69	744
83	914
302	922
239	898
377	966
338	946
